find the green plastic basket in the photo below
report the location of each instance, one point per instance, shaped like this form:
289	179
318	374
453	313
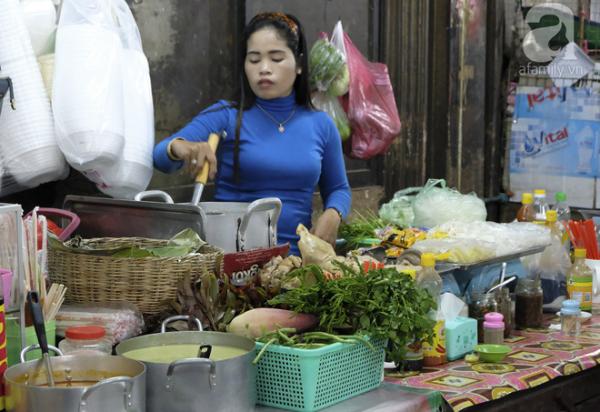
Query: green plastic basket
312	379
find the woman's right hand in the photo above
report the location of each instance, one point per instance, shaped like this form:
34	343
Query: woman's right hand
194	154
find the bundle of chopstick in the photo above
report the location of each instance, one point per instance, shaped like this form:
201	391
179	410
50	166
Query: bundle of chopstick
583	235
35	246
53	301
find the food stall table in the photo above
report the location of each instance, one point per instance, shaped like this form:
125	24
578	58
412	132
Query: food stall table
538	357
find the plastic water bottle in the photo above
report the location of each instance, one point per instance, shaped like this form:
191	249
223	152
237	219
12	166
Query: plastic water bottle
540	206
526	212
563	211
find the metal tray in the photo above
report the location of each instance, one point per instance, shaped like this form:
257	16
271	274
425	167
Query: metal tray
106	217
442	267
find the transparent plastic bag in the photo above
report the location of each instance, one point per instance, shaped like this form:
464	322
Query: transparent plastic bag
371	106
399	210
457	250
327	62
436	205
121	320
332	107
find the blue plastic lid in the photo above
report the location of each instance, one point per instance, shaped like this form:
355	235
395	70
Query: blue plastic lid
570	307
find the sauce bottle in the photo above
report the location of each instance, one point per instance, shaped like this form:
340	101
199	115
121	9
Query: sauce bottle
526	213
579	280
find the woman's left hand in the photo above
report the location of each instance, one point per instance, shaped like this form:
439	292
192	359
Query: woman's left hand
327	226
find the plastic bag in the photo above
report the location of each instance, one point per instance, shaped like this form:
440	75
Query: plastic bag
399	210
87	88
371	106
121	320
436	205
457	250
313	249
327	62
332	107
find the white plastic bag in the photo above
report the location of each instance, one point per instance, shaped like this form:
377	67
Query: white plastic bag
436	205
87	90
134	170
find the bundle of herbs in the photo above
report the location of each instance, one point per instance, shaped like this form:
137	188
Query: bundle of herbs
362	226
381	304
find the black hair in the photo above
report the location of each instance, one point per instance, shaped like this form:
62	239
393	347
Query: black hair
290	29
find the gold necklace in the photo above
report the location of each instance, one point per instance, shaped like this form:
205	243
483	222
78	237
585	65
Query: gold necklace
281	124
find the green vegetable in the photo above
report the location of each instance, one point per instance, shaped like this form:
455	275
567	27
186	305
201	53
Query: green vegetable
383	304
361	227
325	62
340	84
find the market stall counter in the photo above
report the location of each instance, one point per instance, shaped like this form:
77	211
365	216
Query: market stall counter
537	358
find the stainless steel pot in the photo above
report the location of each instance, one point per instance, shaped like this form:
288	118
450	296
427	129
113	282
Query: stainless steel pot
198	384
234	226
120	387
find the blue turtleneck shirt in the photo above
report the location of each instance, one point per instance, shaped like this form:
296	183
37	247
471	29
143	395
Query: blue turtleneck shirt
286	165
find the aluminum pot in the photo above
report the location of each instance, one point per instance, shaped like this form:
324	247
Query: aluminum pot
120	387
234	226
198	384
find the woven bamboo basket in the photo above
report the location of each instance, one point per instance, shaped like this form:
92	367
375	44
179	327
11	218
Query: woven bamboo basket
149	282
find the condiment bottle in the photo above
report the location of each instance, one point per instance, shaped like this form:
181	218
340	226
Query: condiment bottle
428	279
85	340
526	213
569	317
579	280
540	206
505	306
562	208
481	303
529	304
493	328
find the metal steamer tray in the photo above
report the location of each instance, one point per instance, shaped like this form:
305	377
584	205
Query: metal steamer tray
106	217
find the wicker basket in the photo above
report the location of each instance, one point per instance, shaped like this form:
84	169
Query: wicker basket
148	282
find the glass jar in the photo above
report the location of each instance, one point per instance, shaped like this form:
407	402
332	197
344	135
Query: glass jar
529	301
481	303
505	307
569	318
493	329
85	340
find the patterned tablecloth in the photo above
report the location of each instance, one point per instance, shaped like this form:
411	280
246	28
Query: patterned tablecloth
537	356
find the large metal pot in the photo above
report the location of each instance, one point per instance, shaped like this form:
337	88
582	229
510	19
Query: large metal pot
120	387
234	226
198	384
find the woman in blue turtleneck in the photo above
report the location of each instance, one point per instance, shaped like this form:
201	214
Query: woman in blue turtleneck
277	144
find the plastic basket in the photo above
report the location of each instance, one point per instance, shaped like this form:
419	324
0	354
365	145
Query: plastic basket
312	379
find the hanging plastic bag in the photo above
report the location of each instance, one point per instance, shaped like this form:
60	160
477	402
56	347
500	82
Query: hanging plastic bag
371	106
87	88
327	63
133	170
436	205
332	107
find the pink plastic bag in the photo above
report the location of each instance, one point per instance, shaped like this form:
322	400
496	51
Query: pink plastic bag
371	106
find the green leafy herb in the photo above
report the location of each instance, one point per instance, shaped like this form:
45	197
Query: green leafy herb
382	304
360	228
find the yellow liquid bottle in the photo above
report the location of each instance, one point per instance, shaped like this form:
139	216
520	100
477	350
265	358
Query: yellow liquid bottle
579	281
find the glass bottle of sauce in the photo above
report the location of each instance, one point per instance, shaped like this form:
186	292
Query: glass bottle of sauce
526	212
529	304
481	303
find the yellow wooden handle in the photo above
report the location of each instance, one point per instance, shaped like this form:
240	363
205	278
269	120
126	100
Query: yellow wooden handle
213	142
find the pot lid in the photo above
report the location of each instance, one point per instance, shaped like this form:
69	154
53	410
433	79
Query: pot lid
85	332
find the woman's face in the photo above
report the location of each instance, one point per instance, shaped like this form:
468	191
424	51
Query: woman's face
270	65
